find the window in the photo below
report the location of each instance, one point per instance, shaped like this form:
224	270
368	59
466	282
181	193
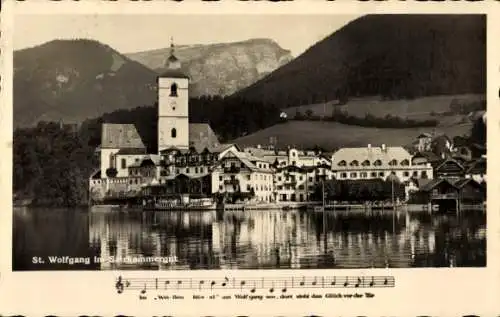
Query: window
248	177
301	187
343	175
406	174
201	169
405	162
377	163
354	175
393	162
373	174
342	163
279	178
310	178
173	133
124	163
248	187
354	163
415	174
220	178
364	175
366	163
196	169
242	165
173	90
424	174
381	174
187	170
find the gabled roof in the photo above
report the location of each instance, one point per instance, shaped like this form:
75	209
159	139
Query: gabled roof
246	159
433	183
96	174
120	136
371	154
202	136
477	166
447	160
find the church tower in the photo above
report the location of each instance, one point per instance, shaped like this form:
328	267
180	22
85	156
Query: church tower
173	108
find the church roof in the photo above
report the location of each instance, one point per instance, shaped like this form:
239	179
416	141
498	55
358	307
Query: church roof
120	136
202	136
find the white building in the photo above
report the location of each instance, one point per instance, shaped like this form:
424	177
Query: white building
377	162
239	172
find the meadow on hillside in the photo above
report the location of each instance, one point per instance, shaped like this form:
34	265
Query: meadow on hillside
331	135
425	108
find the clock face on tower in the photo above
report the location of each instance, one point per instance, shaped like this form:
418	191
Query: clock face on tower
173	105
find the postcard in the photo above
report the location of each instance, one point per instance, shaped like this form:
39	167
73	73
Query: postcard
197	158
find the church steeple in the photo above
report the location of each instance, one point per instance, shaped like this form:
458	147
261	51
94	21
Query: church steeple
172	61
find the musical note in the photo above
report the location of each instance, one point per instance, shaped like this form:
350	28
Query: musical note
303	281
199	284
143	290
346	283
372	282
241	285
226	280
315	281
283	290
212	285
358	283
385	281
179	283
271	290
166	284
334	280
253	289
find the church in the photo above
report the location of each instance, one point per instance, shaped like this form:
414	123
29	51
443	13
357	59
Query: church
126	159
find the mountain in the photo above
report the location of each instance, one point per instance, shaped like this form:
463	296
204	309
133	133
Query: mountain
77	79
396	56
221	69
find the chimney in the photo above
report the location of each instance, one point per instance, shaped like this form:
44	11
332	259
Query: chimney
258	146
369	146
384	148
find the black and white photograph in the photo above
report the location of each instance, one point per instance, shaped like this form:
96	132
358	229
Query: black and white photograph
249	142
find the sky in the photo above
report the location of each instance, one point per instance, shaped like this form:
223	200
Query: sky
133	33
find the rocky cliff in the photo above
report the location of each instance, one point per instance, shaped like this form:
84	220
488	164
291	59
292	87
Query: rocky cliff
221	69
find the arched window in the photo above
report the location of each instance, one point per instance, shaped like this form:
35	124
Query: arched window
405	162
173	90
342	163
173	133
393	163
354	163
377	163
366	163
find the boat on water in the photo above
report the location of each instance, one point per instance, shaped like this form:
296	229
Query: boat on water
172	205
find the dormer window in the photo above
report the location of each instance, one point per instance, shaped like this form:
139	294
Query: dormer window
173	90
173	133
366	163
354	163
342	163
405	162
377	163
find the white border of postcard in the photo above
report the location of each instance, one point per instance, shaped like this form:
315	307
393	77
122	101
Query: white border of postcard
418	291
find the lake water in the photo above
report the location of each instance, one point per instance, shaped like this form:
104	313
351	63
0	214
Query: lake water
109	239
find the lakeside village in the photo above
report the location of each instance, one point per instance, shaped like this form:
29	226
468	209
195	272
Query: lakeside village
193	171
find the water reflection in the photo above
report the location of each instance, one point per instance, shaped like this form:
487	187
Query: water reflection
250	239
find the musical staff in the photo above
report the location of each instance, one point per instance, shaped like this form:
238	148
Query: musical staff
252	285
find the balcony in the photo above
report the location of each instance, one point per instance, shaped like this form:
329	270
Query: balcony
231	170
231	182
